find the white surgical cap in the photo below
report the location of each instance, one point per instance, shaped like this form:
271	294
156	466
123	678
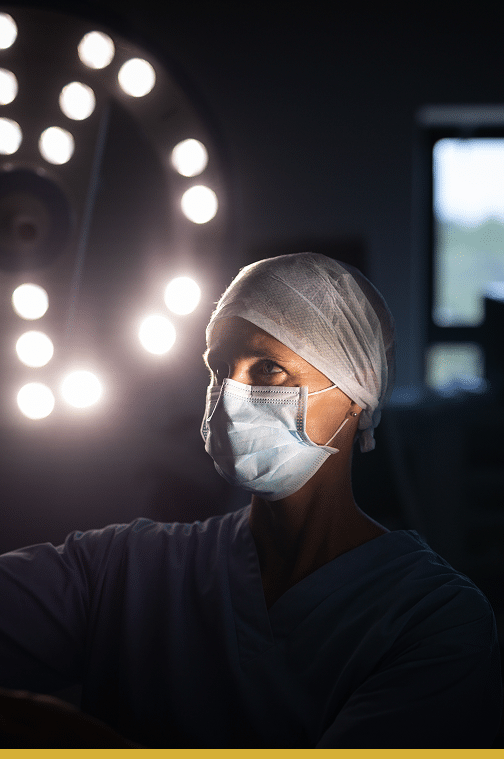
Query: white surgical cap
329	314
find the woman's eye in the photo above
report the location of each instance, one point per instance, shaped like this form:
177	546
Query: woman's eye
269	367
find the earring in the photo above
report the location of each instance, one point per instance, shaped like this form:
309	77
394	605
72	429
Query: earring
354	413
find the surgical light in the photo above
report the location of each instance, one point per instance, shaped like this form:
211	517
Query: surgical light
96	50
34	349
137	77
56	145
10	136
77	101
81	389
30	301
182	295
8	87
8	31
35	400
157	334
189	158
199	204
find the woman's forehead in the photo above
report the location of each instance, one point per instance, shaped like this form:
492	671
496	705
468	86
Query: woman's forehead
234	332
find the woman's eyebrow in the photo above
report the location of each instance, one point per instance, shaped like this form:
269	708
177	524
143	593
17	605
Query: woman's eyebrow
266	353
269	353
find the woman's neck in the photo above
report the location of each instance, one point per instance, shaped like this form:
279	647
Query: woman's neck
297	535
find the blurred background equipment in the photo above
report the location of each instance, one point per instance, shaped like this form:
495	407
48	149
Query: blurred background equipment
114	227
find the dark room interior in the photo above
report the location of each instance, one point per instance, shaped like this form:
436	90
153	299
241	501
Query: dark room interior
320	122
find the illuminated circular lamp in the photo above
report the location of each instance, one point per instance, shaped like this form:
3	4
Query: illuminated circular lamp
34	349
81	389
189	158
199	204
30	301
8	31
96	50
10	136
137	77
8	87
56	145
35	400
77	101
182	295
157	334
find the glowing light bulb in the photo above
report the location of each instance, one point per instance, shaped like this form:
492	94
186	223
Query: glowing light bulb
8	31
199	204
56	145
137	77
157	334
189	158
81	389
35	400
182	295
10	136
8	87
34	348
96	50
77	101
30	301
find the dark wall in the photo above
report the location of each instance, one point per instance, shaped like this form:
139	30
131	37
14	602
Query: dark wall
316	108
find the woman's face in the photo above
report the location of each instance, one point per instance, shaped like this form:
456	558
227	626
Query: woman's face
245	353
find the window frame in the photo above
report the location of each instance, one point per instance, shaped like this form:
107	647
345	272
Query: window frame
432	124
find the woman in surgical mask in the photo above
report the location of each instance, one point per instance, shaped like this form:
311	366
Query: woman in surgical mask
370	640
295	622
301	355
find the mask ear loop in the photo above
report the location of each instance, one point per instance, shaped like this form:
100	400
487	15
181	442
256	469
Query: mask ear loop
345	420
317	392
210	400
324	390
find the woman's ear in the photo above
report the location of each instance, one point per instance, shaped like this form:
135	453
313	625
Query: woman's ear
355	409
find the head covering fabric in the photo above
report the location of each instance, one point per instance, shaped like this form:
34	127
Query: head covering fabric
328	313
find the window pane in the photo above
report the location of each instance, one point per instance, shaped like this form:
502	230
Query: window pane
468	178
455	366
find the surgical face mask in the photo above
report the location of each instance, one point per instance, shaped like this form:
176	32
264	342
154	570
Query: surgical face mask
257	437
